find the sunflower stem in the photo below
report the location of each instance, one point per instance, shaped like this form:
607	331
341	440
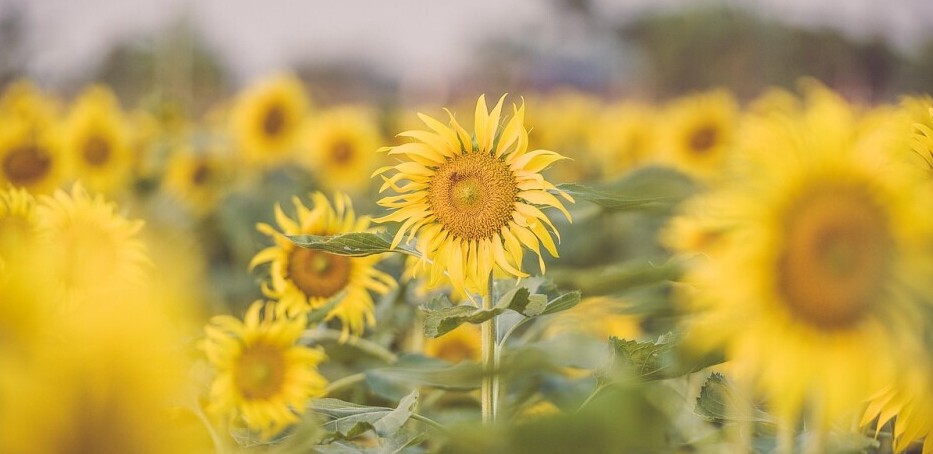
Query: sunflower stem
490	353
344	382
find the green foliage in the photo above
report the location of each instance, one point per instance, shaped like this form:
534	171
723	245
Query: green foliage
355	244
654	189
647	361
348	420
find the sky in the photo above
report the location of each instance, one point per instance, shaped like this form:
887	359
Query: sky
417	40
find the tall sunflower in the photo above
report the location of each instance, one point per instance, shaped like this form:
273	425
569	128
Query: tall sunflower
470	198
90	253
263	375
341	145
700	133
267	119
97	141
815	282
304	279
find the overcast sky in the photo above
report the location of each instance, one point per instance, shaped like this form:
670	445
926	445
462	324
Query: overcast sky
420	40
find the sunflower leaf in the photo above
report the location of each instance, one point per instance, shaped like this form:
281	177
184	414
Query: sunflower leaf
719	401
319	314
442	318
349	420
354	244
654	188
413	371
648	361
562	303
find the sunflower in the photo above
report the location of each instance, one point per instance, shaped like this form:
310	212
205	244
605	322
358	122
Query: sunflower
470	199
97	142
197	178
20	313
817	279
267	119
911	401
461	344
598	317
90	253
30	155
701	130
263	375
563	121
342	142
305	279
919	111
623	137
26	102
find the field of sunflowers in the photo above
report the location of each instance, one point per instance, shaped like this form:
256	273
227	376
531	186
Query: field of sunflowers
508	273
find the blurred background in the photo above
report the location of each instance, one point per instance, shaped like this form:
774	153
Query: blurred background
199	52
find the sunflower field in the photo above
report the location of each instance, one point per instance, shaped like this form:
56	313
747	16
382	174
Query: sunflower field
539	271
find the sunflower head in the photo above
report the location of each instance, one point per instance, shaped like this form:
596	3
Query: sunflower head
341	145
472	199
267	119
97	141
197	178
305	279
623	137
264	376
701	133
30	156
90	252
461	344
815	266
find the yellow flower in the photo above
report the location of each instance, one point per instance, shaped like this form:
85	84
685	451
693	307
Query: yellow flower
20	313
26	102
197	178
699	135
563	121
919	112
30	155
304	279
813	285
461	344
90	253
622	137
97	142
263	375
341	149
599	317
910	399
103	381
470	199
267	119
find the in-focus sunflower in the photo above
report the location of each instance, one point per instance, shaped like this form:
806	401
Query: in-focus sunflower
814	285
267	119
342	142
263	375
30	155
90	253
97	142
304	279
700	131
470	199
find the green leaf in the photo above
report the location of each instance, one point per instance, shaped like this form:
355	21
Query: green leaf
318	315
719	401
412	371
442	318
355	244
617	278
647	361
350	420
563	302
649	188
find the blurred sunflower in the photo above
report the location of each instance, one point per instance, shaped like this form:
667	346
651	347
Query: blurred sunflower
263	375
563	121
599	317
30	155
267	119
90	253
622	137
197	178
106	381
342	148
97	142
26	102
461	344
21	311
813	288
919	112
911	401
700	133
304	279
470	199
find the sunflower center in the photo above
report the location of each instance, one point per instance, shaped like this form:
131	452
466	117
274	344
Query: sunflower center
96	151
200	174
473	195
318	274
274	121
342	152
260	371
703	138
835	260
26	164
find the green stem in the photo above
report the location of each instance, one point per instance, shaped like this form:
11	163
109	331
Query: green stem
429	422
490	355
356	342
339	384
